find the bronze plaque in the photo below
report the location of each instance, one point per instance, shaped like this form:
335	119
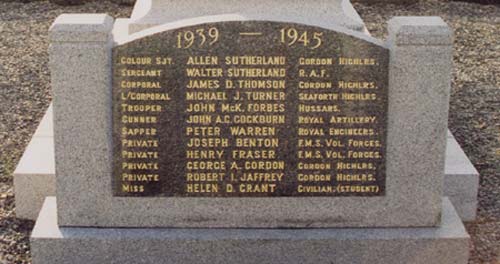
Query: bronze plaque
249	109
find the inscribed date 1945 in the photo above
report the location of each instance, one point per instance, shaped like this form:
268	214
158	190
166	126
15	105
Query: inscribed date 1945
249	109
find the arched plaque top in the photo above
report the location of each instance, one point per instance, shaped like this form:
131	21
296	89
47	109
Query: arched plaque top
249	109
236	19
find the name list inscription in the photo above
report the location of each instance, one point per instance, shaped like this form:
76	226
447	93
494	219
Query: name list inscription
249	109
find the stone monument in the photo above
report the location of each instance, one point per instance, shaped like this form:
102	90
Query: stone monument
250	132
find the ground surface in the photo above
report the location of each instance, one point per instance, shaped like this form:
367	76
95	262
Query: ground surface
474	115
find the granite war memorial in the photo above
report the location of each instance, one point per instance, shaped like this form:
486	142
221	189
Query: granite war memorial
249	132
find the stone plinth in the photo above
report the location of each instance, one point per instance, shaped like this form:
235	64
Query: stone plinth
34	177
446	244
461	181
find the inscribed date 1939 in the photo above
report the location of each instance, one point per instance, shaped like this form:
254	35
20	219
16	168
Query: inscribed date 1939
249	109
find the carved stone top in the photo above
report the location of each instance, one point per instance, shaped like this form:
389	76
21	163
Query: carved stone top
321	13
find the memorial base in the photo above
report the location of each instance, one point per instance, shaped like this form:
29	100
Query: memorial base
448	243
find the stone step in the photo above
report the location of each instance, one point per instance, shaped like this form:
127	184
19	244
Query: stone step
446	244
